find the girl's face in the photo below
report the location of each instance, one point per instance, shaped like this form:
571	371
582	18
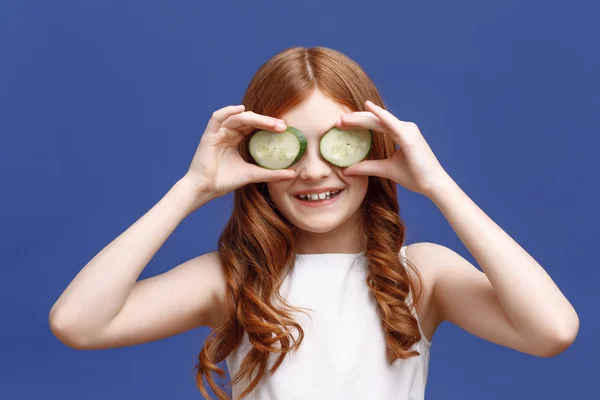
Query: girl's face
314	117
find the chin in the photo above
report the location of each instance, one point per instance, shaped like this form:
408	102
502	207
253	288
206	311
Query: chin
318	221
316	226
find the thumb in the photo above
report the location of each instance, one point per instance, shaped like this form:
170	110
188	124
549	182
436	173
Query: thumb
367	167
259	174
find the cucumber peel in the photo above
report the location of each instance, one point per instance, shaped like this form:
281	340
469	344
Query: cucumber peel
280	150
277	150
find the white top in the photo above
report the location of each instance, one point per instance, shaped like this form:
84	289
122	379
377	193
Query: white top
343	352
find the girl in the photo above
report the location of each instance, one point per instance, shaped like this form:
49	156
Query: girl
315	298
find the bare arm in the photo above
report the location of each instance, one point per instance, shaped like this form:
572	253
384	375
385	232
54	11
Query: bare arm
513	302
105	306
88	306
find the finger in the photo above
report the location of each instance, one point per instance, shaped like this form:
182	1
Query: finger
259	174
217	118
248	121
392	123
362	120
366	120
380	168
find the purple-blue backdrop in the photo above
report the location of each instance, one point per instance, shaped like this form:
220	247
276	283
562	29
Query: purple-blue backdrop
103	103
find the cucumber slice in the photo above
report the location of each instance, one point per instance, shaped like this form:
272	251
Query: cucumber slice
277	150
344	147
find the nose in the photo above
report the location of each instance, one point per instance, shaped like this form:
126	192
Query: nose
313	166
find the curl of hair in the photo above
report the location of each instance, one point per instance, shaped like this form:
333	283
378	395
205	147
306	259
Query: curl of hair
257	246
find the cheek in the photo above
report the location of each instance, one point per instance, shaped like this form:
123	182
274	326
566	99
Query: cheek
360	184
277	190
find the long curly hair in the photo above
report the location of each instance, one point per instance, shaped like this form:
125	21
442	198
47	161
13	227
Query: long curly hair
257	246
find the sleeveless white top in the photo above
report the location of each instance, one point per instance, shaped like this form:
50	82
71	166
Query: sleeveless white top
343	353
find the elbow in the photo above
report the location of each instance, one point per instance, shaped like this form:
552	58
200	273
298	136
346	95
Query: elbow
562	338
66	334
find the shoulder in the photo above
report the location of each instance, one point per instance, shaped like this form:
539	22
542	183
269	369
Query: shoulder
420	256
428	259
432	260
220	288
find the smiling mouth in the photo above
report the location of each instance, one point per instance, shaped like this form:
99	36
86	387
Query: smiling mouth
310	199
326	199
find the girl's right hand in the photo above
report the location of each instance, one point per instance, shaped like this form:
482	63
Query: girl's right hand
217	167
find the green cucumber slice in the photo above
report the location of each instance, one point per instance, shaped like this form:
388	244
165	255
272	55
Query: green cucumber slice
277	150
344	147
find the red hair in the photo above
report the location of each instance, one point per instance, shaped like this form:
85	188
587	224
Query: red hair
257	247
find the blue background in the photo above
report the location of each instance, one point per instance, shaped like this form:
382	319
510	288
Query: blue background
102	105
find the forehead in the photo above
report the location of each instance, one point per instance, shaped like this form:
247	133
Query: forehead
314	115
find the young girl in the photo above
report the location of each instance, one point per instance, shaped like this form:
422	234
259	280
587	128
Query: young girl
312	293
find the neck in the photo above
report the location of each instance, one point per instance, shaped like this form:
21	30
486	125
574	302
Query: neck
348	237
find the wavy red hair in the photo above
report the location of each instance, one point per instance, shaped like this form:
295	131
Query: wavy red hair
257	247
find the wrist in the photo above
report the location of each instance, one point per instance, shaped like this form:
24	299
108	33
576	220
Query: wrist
440	187
190	195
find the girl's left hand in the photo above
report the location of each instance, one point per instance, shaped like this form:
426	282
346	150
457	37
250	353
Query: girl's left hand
413	165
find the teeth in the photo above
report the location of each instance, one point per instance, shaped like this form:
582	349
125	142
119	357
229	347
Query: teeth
319	196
